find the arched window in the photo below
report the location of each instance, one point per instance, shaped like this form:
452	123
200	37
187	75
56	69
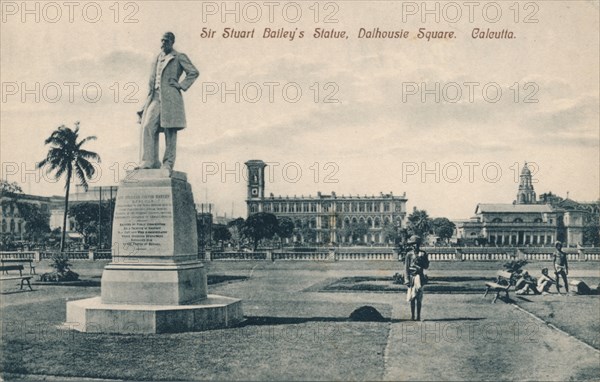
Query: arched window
3	226
497	220
369	222
518	220
12	225
538	220
377	223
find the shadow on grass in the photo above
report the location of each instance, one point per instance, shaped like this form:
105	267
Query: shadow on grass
18	291
78	283
211	280
262	320
456	319
217	279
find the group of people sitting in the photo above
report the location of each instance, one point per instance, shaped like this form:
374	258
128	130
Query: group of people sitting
525	283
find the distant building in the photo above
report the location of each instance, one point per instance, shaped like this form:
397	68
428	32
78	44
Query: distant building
12	221
526	221
328	215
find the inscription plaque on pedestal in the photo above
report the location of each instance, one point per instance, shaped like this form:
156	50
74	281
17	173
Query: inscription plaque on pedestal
155	282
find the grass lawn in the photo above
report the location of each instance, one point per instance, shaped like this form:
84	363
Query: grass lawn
576	315
436	284
296	329
316	348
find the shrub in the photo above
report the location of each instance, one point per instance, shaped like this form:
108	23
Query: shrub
515	266
62	271
398	279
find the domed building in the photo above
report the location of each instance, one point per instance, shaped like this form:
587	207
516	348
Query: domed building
526	221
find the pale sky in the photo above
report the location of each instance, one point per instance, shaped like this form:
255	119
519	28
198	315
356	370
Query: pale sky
377	138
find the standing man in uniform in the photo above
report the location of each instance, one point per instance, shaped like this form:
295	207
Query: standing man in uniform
561	266
163	110
414	265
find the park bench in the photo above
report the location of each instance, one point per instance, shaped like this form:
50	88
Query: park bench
28	261
501	285
6	268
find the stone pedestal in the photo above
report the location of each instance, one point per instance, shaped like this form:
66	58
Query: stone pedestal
155	282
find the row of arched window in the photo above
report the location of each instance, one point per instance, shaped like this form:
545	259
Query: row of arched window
11	226
286	207
516	220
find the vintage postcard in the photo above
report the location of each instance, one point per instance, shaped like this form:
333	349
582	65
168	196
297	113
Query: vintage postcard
300	190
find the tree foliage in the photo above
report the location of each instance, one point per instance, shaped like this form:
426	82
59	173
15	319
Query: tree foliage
419	223
236	228
87	216
221	233
37	221
259	226
67	157
285	228
591	229
443	228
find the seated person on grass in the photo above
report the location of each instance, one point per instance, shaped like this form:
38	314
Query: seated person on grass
544	282
525	283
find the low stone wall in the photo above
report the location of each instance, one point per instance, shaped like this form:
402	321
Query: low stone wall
345	254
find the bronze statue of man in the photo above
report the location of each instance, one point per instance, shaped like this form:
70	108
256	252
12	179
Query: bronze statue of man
163	110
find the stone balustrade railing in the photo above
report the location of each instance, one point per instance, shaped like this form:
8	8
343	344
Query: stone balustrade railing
344	254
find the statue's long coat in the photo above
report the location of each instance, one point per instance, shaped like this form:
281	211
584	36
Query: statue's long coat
172	113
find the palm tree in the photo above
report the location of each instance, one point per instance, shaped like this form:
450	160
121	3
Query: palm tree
66	157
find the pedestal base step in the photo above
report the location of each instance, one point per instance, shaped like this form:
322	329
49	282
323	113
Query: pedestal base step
92	316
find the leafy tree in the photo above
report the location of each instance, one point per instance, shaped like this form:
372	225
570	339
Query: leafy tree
203	228
236	228
9	189
37	221
390	233
355	230
591	229
307	231
419	223
86	217
261	225
285	228
443	228
221	233
67	157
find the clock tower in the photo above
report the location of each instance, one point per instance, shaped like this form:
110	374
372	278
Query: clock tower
256	179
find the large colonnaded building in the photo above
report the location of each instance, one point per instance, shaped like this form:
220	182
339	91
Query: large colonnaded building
328	215
527	221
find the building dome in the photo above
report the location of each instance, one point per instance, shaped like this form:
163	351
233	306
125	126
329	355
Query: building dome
525	171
